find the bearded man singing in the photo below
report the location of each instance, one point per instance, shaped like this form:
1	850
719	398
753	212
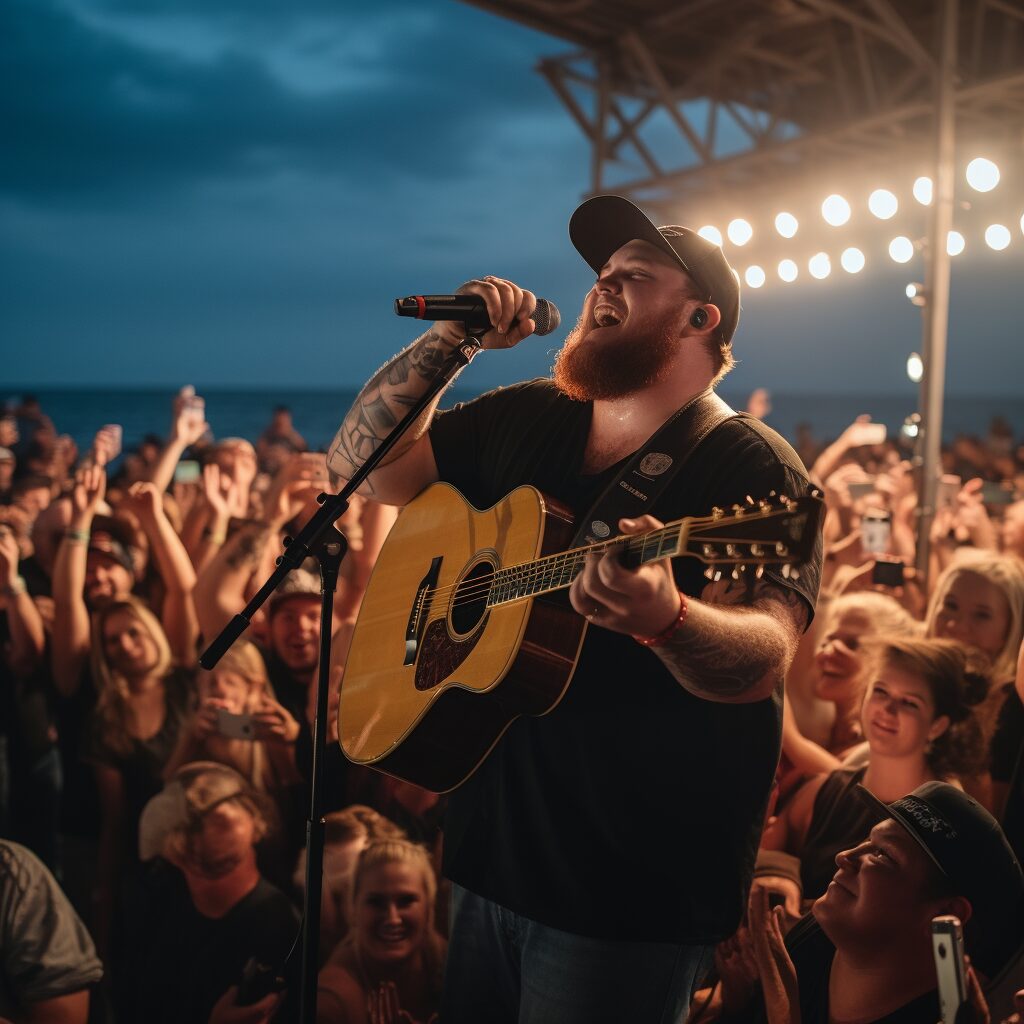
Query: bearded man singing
601	850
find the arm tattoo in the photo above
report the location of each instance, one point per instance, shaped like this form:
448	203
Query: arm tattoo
740	637
248	547
382	403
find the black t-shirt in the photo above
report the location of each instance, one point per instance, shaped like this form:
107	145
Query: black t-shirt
812	954
633	810
186	962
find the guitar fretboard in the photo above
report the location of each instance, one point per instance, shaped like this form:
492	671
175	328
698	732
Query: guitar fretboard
556	572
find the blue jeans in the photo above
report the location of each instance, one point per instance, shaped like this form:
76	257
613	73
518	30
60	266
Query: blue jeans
506	969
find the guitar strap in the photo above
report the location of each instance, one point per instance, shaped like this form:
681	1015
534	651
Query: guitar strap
651	469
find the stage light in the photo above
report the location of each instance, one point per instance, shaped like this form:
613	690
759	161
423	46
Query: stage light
755	276
923	190
912	424
901	249
997	236
852	260
955	243
883	204
739	231
788	271
916	293
1022	223
836	210
712	234
820	266
982	174
915	371
786	224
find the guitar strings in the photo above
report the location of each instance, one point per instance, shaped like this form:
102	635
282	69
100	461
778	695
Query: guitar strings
530	573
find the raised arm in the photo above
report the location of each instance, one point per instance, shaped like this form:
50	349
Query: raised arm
23	619
175	567
410	466
733	646
70	646
187	426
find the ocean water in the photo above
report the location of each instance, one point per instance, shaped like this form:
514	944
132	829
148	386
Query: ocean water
316	414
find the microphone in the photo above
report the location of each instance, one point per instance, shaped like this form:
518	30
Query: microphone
471	310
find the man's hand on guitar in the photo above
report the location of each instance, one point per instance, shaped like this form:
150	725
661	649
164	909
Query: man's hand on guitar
641	602
508	308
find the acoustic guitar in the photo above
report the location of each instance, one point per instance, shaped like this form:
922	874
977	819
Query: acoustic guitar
460	630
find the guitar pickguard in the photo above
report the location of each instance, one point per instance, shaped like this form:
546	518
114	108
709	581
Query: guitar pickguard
440	655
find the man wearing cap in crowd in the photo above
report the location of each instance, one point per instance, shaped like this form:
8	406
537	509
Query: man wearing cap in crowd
865	951
193	947
600	851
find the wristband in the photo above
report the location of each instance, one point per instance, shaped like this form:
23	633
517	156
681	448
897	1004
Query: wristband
215	536
662	638
16	587
77	536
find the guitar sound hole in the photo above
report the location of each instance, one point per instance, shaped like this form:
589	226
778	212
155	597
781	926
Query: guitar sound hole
470	601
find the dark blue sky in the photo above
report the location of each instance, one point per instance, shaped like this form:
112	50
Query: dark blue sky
231	192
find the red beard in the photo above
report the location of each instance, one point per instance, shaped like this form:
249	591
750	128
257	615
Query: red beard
591	369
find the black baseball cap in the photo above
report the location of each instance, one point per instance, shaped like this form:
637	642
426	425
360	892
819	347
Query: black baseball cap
604	224
969	848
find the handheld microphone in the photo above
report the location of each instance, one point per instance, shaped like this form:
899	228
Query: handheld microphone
471	310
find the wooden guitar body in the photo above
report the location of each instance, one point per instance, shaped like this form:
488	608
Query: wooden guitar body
435	674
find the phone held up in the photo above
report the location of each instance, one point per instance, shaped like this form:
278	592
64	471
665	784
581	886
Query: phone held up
948	950
235	726
875	531
888	572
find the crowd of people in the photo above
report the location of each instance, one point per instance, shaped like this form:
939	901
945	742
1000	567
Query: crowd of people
152	813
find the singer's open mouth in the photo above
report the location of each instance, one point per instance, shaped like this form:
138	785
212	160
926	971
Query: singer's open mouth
605	316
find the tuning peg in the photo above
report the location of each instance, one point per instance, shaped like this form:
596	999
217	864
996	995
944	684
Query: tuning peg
783	499
765	505
735	574
756	550
738	510
787	570
750	500
742	568
794	574
709	572
717	513
718	575
771	494
708	550
759	571
731	550
780	548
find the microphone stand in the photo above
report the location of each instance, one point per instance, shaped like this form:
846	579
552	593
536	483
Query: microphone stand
321	539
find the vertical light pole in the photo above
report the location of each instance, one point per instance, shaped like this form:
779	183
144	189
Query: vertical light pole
936	310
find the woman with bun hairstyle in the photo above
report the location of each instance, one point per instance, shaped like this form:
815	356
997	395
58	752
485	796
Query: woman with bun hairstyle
919	720
390	965
979	601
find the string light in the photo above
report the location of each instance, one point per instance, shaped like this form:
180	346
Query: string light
955	243
982	174
901	249
997	236
923	190
820	266
883	204
755	276
836	210
739	231
711	233
788	271
852	260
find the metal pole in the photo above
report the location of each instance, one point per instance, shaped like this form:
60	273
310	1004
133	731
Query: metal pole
937	285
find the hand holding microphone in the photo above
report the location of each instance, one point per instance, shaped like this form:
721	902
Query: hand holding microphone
511	312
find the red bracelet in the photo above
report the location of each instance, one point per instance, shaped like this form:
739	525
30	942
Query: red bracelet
659	639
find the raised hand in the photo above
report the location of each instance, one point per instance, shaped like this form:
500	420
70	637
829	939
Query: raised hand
272	723
774	967
188	420
9	555
506	302
144	501
218	490
89	491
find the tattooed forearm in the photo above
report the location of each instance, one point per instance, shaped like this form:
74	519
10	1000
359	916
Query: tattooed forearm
737	642
244	549
384	401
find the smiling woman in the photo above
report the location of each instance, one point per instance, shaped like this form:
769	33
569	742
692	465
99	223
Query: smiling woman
391	961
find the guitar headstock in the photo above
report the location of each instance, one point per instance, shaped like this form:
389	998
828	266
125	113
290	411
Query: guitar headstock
774	531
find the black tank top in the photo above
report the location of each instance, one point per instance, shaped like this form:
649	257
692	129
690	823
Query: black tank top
839	822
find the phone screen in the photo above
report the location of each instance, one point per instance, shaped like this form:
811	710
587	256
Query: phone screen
875	531
887	573
186	472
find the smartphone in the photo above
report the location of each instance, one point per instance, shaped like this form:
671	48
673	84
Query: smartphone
948	950
875	531
187	471
867	433
996	494
887	572
949	488
235	727
117	437
861	489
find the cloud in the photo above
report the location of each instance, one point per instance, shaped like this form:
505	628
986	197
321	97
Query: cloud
114	102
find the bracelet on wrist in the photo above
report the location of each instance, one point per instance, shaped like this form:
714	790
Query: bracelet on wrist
215	536
77	536
16	587
662	638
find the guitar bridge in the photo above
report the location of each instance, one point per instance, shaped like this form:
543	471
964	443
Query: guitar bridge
420	607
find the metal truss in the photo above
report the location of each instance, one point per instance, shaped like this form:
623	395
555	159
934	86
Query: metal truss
747	95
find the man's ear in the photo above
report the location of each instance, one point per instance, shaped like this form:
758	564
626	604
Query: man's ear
711	319
958	906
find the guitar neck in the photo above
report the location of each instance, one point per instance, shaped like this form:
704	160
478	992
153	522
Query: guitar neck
775	531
